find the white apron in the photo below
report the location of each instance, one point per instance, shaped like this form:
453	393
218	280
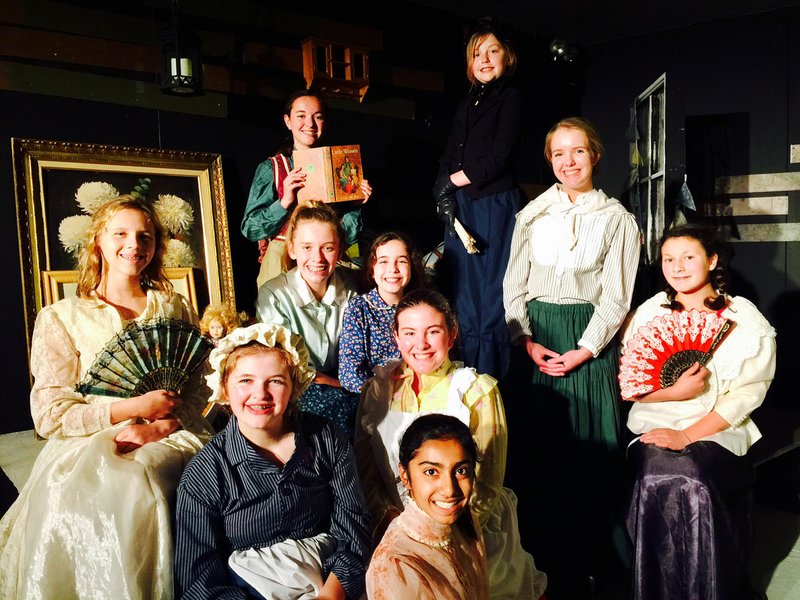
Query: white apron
512	572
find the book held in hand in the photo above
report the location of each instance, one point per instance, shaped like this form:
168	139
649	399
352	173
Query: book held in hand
333	173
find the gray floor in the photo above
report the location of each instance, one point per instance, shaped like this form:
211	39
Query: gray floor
775	568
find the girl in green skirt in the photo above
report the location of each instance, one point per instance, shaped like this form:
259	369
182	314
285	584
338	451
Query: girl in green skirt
567	290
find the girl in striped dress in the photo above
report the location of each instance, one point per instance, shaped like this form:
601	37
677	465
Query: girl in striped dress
272	506
567	290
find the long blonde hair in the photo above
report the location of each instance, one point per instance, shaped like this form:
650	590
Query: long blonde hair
91	260
226	315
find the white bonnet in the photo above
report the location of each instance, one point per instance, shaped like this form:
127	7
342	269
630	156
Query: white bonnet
271	336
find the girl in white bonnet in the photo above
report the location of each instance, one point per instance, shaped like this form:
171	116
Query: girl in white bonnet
271	507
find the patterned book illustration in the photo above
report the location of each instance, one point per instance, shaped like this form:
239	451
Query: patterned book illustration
333	173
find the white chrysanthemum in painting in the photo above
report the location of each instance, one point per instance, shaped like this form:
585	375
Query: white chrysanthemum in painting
178	254
93	194
174	213
72	233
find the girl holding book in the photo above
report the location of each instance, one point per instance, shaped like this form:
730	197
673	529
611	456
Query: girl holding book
310	300
273	192
688	461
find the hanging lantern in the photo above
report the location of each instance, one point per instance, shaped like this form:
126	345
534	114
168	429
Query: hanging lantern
181	59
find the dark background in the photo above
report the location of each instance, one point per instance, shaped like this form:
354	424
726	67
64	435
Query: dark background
732	93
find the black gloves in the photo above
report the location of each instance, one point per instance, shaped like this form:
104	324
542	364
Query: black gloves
444	194
444	186
446	211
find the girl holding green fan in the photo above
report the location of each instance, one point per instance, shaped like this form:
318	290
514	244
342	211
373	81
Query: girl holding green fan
93	519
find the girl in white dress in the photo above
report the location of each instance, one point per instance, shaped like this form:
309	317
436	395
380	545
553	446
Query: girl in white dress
93	519
690	512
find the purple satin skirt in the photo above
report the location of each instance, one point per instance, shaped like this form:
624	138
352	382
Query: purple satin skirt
690	519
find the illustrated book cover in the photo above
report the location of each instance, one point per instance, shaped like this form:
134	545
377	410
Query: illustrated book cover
334	173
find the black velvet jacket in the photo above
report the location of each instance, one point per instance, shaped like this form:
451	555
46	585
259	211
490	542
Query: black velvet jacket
484	137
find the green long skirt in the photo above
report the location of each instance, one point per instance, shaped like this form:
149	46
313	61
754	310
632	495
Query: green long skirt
584	465
590	392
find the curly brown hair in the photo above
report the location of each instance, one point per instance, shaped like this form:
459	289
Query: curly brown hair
419	279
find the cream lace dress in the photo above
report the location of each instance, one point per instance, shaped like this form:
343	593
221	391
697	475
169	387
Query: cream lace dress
89	522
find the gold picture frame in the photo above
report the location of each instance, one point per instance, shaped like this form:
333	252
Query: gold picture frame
57	285
47	175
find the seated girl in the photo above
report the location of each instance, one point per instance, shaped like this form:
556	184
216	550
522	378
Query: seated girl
393	268
93	519
434	550
310	300
688	462
425	381
272	506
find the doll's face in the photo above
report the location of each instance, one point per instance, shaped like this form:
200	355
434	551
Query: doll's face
440	478
216	329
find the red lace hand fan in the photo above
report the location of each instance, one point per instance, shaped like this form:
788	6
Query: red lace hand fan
659	352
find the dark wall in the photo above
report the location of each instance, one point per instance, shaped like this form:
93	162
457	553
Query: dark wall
732	93
400	154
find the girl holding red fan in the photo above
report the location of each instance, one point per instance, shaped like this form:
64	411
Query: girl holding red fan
688	464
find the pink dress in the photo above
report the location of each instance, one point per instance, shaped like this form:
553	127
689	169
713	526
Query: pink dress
421	558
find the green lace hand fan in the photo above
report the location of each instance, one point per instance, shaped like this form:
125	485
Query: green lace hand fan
160	354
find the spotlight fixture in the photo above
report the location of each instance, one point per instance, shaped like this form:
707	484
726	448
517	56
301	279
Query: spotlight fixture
558	48
181	71
561	50
571	55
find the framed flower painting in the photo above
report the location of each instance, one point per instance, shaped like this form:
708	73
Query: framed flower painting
59	185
